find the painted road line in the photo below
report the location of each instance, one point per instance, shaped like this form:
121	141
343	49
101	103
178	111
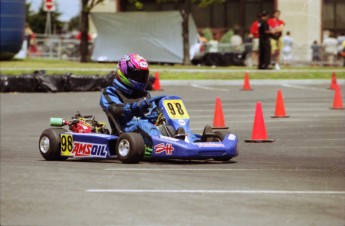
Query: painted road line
204	169
250	115
279	192
252	110
209	88
279	121
294	148
305	87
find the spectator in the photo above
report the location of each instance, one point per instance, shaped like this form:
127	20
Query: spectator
264	42
330	48
203	41
342	53
340	39
248	50
213	44
28	34
254	31
236	42
277	27
316	52
30	38
287	48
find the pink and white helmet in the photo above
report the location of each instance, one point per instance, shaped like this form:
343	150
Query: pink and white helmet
133	71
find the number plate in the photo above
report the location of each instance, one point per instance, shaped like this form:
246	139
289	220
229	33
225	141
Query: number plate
175	109
66	144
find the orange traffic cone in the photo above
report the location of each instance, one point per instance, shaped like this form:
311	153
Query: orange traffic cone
246	85
259	129
157	84
280	108
337	101
218	120
333	81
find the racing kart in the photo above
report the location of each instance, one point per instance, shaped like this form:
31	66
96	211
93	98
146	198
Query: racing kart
88	138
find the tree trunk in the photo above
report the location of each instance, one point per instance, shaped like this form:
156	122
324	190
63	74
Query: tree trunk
185	31
84	29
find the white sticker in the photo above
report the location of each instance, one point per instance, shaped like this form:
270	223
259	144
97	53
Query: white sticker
168	138
181	122
143	64
232	137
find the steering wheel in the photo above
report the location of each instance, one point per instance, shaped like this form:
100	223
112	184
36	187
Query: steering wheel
152	100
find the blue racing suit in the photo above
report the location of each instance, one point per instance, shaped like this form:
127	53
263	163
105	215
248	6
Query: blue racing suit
121	102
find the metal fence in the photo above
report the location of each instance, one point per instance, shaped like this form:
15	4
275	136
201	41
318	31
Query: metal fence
55	47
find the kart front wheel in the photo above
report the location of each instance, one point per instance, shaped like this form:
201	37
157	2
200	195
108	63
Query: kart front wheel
219	136
50	144
130	148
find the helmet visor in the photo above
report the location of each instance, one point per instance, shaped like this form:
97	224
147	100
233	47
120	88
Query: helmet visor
138	76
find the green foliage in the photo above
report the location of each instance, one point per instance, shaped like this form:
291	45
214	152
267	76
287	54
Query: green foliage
139	5
204	3
37	21
74	23
227	36
28	12
207	33
89	5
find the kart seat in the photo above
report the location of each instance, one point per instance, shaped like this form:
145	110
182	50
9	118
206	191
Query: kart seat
114	124
207	134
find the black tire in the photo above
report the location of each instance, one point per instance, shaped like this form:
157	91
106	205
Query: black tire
130	148
54	145
218	137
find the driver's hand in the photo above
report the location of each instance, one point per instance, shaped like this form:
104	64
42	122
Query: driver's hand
141	106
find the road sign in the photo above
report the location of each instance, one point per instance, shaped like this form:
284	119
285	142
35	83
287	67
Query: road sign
49	5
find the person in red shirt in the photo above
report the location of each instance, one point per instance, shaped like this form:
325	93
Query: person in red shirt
277	27
254	31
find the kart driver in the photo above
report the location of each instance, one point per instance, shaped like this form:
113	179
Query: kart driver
127	98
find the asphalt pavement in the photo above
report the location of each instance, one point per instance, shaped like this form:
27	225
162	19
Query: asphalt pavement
299	179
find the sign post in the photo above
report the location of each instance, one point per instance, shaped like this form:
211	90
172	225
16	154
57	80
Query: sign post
48	6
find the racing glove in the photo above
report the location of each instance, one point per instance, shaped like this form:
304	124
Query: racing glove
140	106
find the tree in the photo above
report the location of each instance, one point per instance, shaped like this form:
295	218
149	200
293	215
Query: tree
37	21
185	10
87	5
74	23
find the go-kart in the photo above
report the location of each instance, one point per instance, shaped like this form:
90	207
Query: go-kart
88	138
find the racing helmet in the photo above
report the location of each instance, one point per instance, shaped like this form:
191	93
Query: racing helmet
133	72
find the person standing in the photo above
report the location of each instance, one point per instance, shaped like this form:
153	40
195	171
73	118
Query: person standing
330	48
264	42
277	26
287	48
236	42
254	31
316	52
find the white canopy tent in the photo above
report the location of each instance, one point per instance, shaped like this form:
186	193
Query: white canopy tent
157	36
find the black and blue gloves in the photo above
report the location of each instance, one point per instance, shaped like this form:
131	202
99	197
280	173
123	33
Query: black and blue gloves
140	106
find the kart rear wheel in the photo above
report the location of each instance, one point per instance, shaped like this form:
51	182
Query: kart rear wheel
130	148
50	144
218	137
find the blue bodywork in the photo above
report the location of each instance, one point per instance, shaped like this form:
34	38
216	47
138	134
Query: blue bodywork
164	147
